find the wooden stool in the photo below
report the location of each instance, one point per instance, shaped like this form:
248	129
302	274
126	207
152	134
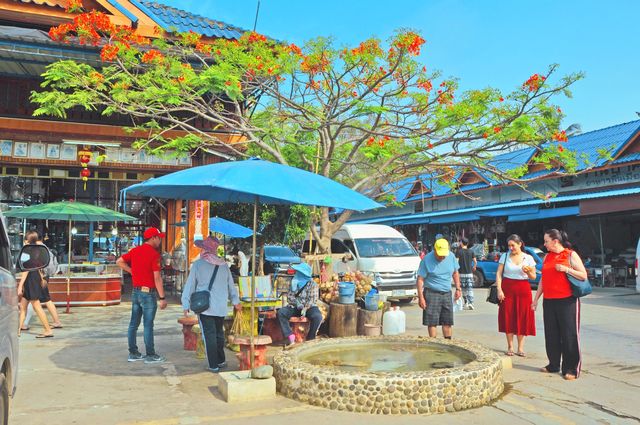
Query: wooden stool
343	320
300	328
190	339
260	344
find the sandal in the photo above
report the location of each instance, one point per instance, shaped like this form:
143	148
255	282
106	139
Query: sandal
56	326
509	353
44	336
521	354
25	329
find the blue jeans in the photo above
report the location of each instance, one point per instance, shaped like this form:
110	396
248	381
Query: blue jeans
143	307
287	312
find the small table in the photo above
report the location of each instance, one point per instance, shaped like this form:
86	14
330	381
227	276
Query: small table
246	312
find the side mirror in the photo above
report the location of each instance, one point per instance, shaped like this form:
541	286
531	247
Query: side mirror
33	257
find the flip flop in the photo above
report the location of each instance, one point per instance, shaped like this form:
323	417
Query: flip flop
56	327
509	353
521	354
25	329
44	336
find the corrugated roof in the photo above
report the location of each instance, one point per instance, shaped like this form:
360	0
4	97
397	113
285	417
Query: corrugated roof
635	156
505	205
171	20
53	3
612	138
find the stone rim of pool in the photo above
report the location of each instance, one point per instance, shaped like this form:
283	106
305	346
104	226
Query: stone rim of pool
415	392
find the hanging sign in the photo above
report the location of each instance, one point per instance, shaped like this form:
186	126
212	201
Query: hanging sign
197	215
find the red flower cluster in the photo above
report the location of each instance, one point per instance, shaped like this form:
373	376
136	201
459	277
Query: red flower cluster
497	130
410	41
295	49
191	38
109	52
426	85
314	64
152	56
560	136
371	47
74	6
254	37
534	82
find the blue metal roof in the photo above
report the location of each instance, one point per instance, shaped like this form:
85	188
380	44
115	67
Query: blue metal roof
506	206
635	156
171	20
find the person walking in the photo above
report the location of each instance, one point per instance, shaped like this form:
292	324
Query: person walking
561	309
467	262
45	296
302	299
30	290
143	262
436	270
515	315
214	270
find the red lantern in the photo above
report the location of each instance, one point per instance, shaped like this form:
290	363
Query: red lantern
85	173
85	157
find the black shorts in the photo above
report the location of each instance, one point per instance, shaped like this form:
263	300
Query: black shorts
439	309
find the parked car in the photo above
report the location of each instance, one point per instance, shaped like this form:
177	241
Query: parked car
31	257
486	270
279	259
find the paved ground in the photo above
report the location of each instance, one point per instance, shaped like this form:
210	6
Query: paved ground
82	376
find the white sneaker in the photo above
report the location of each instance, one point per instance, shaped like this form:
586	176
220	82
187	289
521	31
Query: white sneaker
470	307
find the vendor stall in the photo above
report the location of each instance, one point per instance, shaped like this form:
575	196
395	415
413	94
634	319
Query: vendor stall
90	285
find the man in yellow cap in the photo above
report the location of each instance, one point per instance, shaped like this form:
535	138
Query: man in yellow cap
436	270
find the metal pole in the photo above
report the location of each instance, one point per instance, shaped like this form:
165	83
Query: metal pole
69	271
253	283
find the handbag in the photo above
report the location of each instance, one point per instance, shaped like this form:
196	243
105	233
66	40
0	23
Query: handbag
199	300
492	297
579	288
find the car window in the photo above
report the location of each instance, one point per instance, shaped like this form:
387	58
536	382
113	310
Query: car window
384	247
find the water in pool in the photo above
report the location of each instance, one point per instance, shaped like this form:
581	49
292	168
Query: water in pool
389	357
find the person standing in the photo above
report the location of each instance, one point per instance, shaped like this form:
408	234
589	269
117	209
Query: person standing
30	290
515	315
467	262
302	298
561	309
143	262
210	267
436	270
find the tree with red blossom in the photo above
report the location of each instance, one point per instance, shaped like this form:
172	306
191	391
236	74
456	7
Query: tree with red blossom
366	116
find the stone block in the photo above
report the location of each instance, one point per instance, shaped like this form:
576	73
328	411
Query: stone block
506	362
237	386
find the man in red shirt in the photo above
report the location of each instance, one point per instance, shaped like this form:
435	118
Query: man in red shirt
143	262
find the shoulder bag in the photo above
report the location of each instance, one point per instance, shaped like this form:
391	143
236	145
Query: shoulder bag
199	301
579	288
492	297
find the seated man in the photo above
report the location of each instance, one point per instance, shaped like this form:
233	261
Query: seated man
302	298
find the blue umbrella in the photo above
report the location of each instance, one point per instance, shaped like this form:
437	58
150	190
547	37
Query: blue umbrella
225	227
253	181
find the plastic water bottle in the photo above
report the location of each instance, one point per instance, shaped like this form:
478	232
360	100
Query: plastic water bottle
393	322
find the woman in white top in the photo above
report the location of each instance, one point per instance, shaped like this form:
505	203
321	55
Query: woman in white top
515	315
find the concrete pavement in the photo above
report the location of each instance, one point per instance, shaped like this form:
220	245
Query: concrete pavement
82	376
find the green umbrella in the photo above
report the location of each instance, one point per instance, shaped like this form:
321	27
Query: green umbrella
69	211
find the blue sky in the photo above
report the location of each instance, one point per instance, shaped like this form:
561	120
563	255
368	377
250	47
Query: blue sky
482	42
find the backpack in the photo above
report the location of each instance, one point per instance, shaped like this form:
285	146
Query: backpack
52	268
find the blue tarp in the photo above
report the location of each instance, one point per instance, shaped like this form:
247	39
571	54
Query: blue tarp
548	213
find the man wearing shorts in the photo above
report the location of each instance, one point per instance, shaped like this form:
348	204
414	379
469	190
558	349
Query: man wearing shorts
436	270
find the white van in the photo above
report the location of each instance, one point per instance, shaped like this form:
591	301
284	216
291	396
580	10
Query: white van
382	252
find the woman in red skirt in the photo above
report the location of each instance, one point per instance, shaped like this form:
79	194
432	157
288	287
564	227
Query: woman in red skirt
515	314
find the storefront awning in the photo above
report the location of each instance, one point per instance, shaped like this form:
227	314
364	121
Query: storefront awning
549	213
455	218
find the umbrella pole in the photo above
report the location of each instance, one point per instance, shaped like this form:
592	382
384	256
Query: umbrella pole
253	284
69	271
